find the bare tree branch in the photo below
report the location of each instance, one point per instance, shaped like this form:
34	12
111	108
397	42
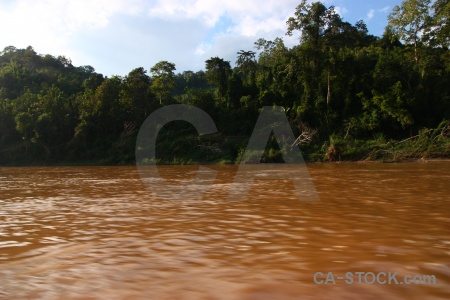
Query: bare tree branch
306	136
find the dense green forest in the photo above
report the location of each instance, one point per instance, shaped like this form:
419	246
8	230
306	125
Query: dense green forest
348	95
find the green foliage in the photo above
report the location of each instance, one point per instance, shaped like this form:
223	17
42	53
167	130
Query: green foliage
313	20
438	30
384	98
217	73
163	79
410	21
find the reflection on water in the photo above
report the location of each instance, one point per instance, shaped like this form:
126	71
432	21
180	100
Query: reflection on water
98	233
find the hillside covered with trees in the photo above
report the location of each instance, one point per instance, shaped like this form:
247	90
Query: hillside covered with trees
348	95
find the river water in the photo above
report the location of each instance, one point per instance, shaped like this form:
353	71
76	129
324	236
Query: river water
100	233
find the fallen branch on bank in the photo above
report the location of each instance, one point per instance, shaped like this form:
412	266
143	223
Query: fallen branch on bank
305	137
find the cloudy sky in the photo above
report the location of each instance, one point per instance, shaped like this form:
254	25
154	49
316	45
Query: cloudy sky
116	36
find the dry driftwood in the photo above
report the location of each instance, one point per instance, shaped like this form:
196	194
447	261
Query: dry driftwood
306	136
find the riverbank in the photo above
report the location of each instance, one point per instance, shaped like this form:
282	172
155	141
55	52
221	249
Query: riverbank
423	147
186	147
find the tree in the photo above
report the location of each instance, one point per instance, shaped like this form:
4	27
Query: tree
246	64
7	122
25	109
163	79
272	71
136	95
439	31
100	108
234	90
217	73
8	49
389	39
312	20
56	115
320	27
409	22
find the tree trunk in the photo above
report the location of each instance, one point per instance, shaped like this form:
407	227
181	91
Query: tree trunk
416	56
47	151
329	86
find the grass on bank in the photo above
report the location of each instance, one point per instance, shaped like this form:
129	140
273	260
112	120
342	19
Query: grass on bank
428	144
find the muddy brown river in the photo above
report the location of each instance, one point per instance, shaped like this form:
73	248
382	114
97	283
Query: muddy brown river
100	233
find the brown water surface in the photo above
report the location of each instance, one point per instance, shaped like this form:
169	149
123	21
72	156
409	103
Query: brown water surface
98	233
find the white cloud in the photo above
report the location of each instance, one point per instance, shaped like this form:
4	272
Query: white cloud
341	10
242	13
203	48
247	21
64	17
49	25
370	14
252	27
80	28
385	9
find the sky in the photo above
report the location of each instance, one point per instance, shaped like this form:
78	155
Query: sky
116	36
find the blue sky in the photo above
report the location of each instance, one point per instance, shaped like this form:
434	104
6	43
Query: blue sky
116	36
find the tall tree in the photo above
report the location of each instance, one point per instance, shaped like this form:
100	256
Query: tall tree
439	31
312	20
136	95
409	22
234	92
163	79
247	65
319	25
217	73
